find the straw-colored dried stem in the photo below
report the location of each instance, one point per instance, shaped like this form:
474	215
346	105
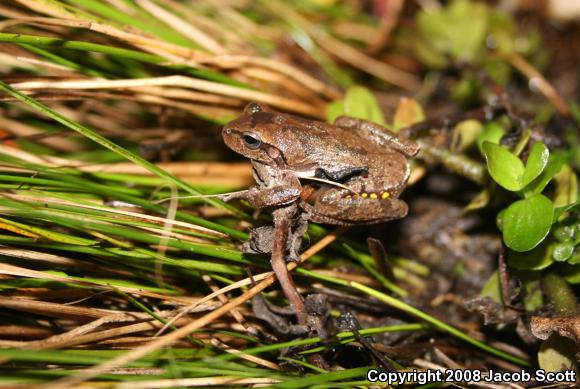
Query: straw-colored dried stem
177	81
538	81
174	336
389	21
185	28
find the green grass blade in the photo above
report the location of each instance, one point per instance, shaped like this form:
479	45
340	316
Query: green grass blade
113	147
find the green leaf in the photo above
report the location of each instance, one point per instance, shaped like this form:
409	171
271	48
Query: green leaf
468	31
360	103
537	161
478	202
453	31
533	298
555	162
466	133
571	273
575	259
537	259
563	233
526	222
505	168
492	288
566	187
408	112
562	251
492	132
561	210
557	353
334	110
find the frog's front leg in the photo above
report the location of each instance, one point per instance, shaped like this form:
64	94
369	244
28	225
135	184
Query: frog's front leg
281	189
342	207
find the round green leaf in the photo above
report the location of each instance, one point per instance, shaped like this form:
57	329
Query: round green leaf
505	168
537	161
563	251
564	233
557	353
361	103
526	223
492	132
555	162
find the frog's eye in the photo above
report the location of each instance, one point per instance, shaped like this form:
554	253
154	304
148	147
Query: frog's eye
251	141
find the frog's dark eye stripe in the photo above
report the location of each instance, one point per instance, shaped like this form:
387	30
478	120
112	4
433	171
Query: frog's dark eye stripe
251	141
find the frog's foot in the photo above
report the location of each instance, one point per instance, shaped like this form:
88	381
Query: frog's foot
261	240
266	312
347	208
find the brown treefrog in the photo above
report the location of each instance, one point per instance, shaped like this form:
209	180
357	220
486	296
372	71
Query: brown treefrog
367	162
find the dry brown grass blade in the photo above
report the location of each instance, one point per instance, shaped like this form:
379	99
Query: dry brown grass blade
183	82
83	334
216	27
538	81
304	79
177	168
198	382
388	24
62	311
252	358
121	214
185	28
236	314
23	272
347	53
194	325
358	59
20	130
130	38
63	18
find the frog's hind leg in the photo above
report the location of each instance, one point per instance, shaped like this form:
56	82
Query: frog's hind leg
378	134
342	207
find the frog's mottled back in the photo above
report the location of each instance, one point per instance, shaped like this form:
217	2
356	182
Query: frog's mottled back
364	156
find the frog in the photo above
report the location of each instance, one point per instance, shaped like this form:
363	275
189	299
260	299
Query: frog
364	166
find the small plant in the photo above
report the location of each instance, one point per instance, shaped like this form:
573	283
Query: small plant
539	229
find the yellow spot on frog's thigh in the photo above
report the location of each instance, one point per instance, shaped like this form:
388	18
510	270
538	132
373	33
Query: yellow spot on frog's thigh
364	195
385	195
373	196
